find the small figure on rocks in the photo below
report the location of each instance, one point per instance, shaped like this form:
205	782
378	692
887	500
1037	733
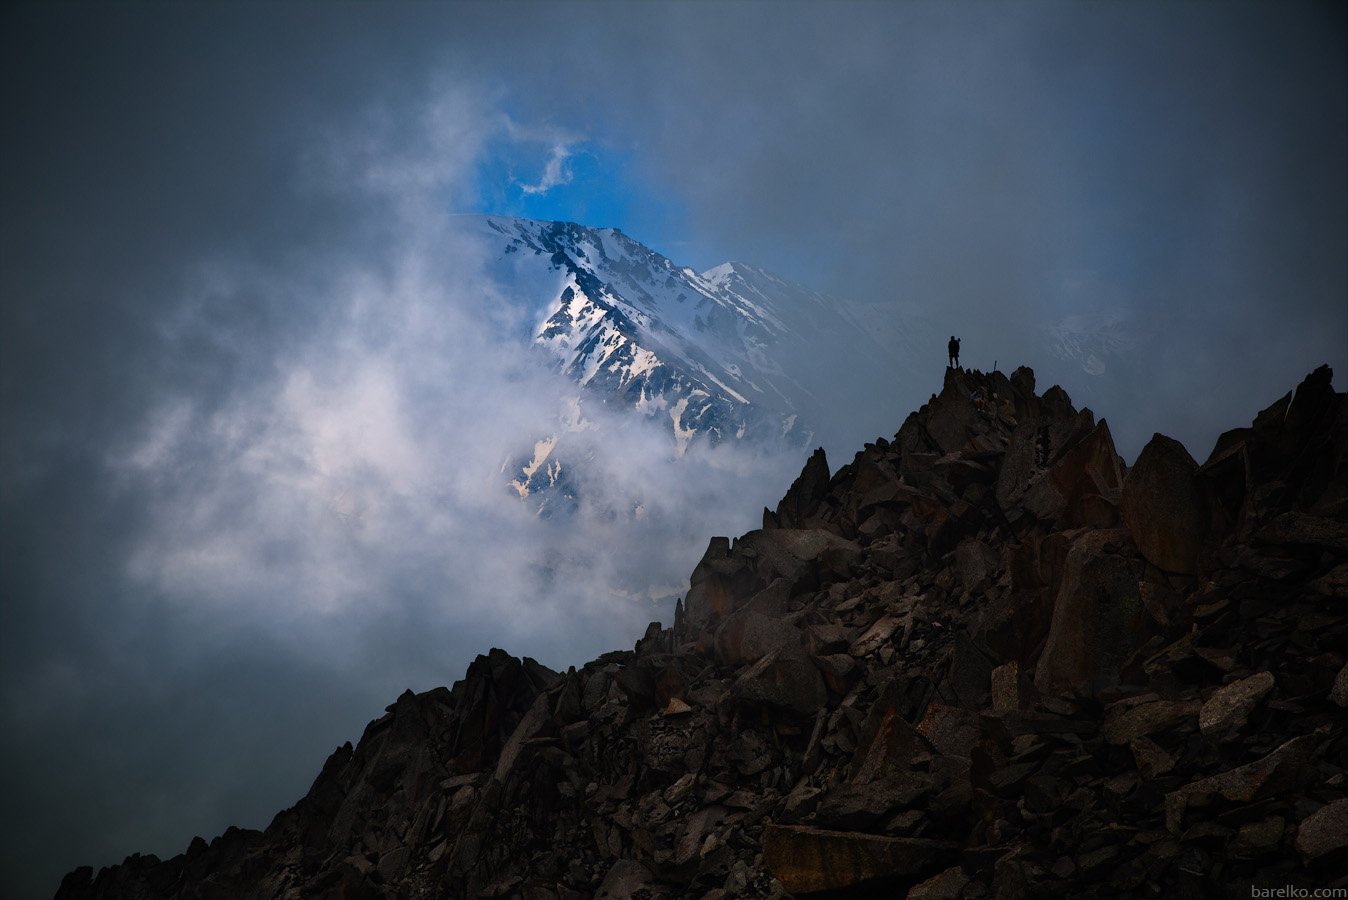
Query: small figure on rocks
954	349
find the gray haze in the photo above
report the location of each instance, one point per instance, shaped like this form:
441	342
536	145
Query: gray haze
254	392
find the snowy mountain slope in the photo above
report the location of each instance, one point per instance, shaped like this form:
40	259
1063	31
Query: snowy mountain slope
722	355
631	327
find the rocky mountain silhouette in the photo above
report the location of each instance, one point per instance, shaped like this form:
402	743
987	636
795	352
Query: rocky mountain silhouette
985	658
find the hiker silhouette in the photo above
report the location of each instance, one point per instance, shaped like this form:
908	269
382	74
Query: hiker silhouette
954	349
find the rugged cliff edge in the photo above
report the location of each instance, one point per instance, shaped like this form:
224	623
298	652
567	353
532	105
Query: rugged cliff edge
983	659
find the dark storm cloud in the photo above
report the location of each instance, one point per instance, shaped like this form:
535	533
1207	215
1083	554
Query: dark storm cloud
253	398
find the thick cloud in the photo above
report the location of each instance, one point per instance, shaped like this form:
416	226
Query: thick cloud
256	392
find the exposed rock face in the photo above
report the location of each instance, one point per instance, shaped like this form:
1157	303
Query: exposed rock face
1164	507
1230	706
1098	620
977	661
1324	833
804	496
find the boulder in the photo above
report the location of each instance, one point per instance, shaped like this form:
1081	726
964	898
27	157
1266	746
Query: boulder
823	638
1125	723
623	880
951	730
853	807
1268	776
785	679
1324	832
1263	836
974	564
717	580
1083	486
747	636
695	830
887	743
676	707
1035	445
1227	710
1163	506
876	636
1013	624
807	860
729	575
1151	759
833	556
840	671
1299	528
1098	619
912	435
947	885
1009	689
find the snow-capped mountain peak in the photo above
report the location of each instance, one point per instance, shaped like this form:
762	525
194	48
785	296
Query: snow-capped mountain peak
629	325
725	355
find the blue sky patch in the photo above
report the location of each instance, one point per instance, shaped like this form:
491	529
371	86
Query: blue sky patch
595	186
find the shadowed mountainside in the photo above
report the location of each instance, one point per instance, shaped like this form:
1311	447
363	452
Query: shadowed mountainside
983	659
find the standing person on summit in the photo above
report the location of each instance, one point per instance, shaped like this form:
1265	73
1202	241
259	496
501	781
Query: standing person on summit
954	349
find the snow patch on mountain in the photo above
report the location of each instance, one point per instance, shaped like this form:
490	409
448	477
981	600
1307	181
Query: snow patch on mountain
542	450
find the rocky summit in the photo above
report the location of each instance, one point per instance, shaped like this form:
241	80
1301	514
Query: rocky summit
984	659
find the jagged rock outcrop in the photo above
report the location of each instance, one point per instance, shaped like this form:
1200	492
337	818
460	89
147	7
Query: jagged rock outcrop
1164	507
985	659
803	497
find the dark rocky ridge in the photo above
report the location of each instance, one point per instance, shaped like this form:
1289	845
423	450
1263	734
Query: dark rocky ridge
984	659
